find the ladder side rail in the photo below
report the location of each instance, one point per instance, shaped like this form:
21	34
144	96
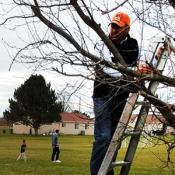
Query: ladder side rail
142	119
116	140
134	140
153	56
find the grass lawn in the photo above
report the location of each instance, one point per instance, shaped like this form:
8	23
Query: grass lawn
75	155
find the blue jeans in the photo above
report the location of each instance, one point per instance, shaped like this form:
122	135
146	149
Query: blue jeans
107	114
102	132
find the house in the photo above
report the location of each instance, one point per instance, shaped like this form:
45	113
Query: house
3	123
76	124
71	123
4	126
153	125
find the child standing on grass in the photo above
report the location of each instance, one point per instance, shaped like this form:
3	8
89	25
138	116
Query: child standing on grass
22	154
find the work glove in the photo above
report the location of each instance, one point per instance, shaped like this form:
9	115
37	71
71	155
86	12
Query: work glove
144	69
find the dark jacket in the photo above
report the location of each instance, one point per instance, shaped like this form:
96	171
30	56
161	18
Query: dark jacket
129	51
23	148
55	140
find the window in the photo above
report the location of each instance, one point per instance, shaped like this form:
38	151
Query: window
76	126
63	125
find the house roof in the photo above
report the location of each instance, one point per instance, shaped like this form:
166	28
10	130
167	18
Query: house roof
151	119
80	118
75	117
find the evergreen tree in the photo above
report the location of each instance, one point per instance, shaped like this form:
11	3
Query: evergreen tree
34	104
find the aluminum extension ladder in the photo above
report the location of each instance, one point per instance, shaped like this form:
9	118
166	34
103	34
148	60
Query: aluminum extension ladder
119	133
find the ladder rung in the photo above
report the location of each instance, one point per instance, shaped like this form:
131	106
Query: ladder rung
143	103
120	163
132	133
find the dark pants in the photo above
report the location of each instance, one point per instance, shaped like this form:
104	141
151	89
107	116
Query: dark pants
107	115
55	152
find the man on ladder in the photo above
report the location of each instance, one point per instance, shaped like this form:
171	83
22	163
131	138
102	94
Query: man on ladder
108	161
110	101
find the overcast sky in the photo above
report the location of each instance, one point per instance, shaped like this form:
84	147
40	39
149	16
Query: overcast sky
10	80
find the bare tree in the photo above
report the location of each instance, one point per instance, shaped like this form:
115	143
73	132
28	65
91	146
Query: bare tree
62	35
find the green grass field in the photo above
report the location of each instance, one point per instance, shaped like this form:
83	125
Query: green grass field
75	155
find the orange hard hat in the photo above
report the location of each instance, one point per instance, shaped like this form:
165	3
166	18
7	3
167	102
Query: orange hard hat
121	19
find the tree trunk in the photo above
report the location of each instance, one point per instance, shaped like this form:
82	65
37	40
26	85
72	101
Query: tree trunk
36	131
